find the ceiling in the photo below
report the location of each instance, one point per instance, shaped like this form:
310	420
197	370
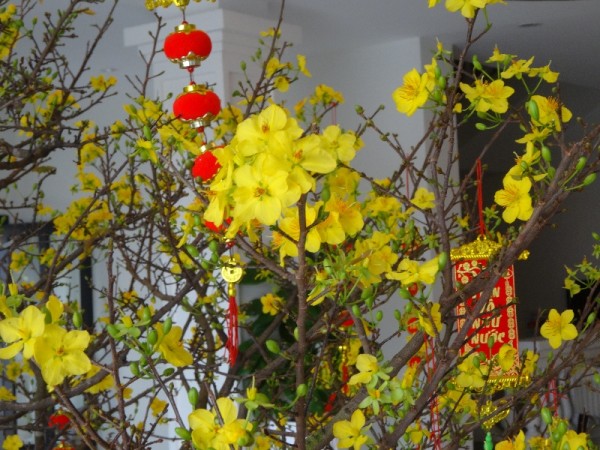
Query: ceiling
565	32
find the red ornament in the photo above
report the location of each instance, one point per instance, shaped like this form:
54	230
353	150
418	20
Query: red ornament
59	420
197	104
217	229
187	46
412	326
205	166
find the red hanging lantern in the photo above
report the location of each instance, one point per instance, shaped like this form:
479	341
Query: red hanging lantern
187	46
197	104
59	420
205	166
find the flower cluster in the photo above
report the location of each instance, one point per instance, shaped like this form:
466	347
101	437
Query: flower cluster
265	170
57	352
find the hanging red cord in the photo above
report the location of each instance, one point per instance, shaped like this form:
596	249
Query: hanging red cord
436	437
482	230
232	326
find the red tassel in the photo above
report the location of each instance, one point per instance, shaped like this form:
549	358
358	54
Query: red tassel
232	273
232	330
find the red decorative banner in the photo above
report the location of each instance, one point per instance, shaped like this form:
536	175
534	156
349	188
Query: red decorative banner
498	318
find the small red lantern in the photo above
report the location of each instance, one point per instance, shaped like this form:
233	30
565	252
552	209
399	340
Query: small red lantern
205	166
59	420
197	104
187	46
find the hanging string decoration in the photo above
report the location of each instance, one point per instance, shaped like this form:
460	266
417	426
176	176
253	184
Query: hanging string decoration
496	323
232	272
495	327
188	47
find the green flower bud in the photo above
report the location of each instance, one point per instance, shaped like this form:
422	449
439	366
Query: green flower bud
476	64
135	369
546	415
192	250
562	428
77	319
356	310
247	440
441	82
580	163
379	316
481	126
591	318
532	109
168	372
301	390
147	132
167	324
213	246
134	332
589	179
183	433
152	338
146	314
546	153
193	397
442	260
273	346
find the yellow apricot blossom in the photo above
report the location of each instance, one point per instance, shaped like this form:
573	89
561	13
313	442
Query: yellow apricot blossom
517	68
367	366
506	357
12	442
60	353
471	375
350	432
339	144
157	406
423	198
430	319
271	304
413	93
551	113
171	347
410	272
466	7
485	96
558	327
219	428
515	199
22	332
326	96
518	443
348	214
573	440
301	59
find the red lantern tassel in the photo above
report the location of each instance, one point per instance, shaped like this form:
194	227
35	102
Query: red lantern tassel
232	326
